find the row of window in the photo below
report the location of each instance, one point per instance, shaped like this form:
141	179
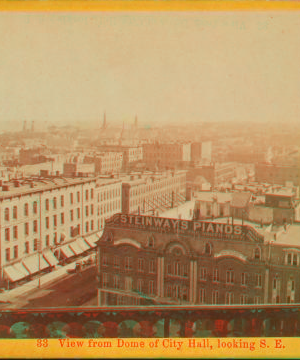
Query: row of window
128	263
109	194
15	211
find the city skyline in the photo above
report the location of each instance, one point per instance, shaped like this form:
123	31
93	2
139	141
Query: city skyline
164	68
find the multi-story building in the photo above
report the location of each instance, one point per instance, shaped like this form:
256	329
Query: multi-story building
146	259
132	154
277	174
201	152
166	155
48	216
152	193
106	162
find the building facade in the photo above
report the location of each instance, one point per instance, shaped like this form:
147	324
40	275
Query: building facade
277	174
40	215
149	193
146	259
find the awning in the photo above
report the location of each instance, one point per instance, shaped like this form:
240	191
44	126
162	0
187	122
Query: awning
82	244
12	273
50	258
91	240
21	269
35	263
75	248
67	251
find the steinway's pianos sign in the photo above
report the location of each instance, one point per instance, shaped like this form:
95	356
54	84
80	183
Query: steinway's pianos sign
181	226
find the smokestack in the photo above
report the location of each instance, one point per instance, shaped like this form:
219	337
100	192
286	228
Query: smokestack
104	122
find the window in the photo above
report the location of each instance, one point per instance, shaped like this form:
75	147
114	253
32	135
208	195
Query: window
26	209
244	278
86	194
26	247
7	254
202	296
26	228
71	215
15	232
16	252
216	275
55	238
55	220
62	200
151	287
6	214
152	266
62	218
117	281
105	280
177	267
274	284
86	211
258	280
128	263
292	259
78	213
47	242
47	222
229	277
71	198
257	300
257	254
215	297
141	265
203	274
78	196
54	203
47	204
104	260
7	234
229	298
116	261
140	285
35	226
92	225
15	212
207	249
128	283
92	193
92	209
243	299
86	227
34	207
35	244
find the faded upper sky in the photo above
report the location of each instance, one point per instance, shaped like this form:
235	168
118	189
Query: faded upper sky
164	67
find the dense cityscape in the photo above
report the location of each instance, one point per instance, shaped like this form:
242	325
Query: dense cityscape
63	189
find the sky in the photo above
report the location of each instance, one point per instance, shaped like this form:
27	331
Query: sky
164	67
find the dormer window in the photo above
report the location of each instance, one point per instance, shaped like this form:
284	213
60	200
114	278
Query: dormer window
257	254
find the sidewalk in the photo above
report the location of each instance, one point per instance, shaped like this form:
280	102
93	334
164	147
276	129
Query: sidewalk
21	290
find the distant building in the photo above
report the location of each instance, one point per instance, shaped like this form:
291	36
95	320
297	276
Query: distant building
106	162
151	193
201	152
166	155
277	174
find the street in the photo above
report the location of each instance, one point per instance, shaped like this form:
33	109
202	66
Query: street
73	290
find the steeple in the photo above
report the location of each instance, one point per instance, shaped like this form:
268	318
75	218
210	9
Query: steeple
136	122
104	122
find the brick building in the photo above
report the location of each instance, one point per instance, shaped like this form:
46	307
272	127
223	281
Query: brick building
46	215
277	174
146	259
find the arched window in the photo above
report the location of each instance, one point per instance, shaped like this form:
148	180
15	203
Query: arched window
207	249
177	268
54	203
257	254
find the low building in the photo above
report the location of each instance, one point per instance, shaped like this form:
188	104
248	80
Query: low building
146	259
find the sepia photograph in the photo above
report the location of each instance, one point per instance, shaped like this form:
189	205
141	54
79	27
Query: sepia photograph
149	179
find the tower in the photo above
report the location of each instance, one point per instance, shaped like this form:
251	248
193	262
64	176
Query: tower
104	122
136	122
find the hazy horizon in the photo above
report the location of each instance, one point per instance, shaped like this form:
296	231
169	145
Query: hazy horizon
163	67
